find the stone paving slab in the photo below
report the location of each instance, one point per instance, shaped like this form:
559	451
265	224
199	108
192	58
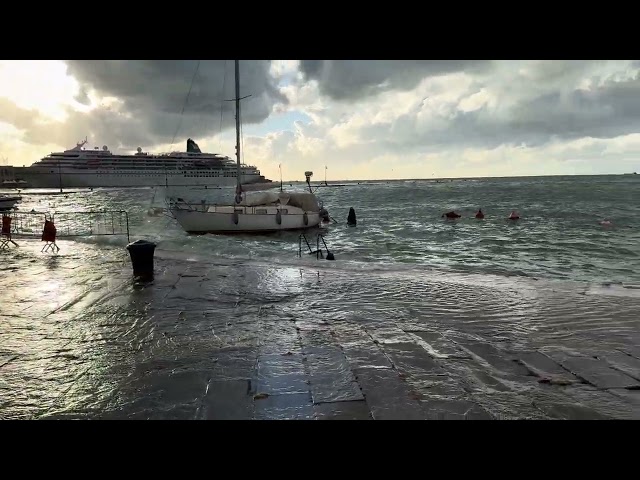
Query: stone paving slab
475	377
388	335
439	346
294	406
331	378
610	403
410	358
454	409
281	373
387	396
597	372
365	356
358	410
624	363
561	407
630	396
499	360
436	387
545	368
509	406
633	351
227	400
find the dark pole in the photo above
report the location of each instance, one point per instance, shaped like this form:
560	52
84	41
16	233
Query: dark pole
239	187
59	175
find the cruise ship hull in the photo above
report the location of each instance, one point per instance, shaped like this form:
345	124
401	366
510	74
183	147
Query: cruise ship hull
37	178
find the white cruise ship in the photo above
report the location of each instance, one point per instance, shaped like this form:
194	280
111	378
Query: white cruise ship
80	167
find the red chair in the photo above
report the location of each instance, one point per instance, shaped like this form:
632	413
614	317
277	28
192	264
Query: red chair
49	235
5	236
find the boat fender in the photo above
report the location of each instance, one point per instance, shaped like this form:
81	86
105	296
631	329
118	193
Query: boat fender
238	198
279	218
305	218
235	217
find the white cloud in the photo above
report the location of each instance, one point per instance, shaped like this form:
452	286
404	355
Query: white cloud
284	68
41	85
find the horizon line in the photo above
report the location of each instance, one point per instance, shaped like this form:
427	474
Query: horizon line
460	178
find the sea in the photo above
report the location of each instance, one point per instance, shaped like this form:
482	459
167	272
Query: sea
559	235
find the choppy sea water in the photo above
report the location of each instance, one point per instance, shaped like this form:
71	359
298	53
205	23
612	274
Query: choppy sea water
559	235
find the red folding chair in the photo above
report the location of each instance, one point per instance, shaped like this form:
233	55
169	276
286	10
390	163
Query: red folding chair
49	235
5	236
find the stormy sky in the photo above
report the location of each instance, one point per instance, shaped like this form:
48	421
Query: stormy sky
360	118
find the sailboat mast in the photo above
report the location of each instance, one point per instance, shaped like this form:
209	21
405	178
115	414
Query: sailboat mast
239	188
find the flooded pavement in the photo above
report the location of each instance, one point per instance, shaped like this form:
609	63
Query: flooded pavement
212	338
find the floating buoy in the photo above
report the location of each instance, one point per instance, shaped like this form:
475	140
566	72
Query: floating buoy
351	218
324	214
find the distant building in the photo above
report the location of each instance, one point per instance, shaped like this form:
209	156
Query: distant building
7	173
11	178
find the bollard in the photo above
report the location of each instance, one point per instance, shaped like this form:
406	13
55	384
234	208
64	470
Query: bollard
141	252
351	218
330	256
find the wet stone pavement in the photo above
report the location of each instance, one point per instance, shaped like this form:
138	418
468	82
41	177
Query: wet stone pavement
255	341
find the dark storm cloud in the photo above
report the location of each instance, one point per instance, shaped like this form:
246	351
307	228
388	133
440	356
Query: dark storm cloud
152	97
83	97
607	111
355	79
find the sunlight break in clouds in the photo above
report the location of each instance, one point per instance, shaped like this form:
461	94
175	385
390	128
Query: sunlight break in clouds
362	119
41	85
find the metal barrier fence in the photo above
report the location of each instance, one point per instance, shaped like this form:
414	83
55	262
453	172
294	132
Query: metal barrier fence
71	224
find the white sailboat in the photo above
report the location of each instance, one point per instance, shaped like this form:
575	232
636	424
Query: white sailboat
256	213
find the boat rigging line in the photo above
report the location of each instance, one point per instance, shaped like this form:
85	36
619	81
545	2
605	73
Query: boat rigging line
224	83
184	105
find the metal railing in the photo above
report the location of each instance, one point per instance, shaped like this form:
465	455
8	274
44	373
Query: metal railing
203	206
318	251
71	224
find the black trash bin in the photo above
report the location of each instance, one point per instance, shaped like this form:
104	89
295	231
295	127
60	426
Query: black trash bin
141	252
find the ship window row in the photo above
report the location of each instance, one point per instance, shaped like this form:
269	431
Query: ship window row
135	166
157	173
207	174
143	169
68	161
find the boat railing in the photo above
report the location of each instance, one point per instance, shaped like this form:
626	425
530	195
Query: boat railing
215	208
72	224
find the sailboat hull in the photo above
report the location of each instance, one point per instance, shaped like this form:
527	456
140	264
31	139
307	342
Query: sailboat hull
227	219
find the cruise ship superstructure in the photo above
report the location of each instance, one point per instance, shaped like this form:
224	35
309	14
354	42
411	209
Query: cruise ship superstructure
80	167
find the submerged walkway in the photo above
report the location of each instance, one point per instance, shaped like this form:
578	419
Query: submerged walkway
257	341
